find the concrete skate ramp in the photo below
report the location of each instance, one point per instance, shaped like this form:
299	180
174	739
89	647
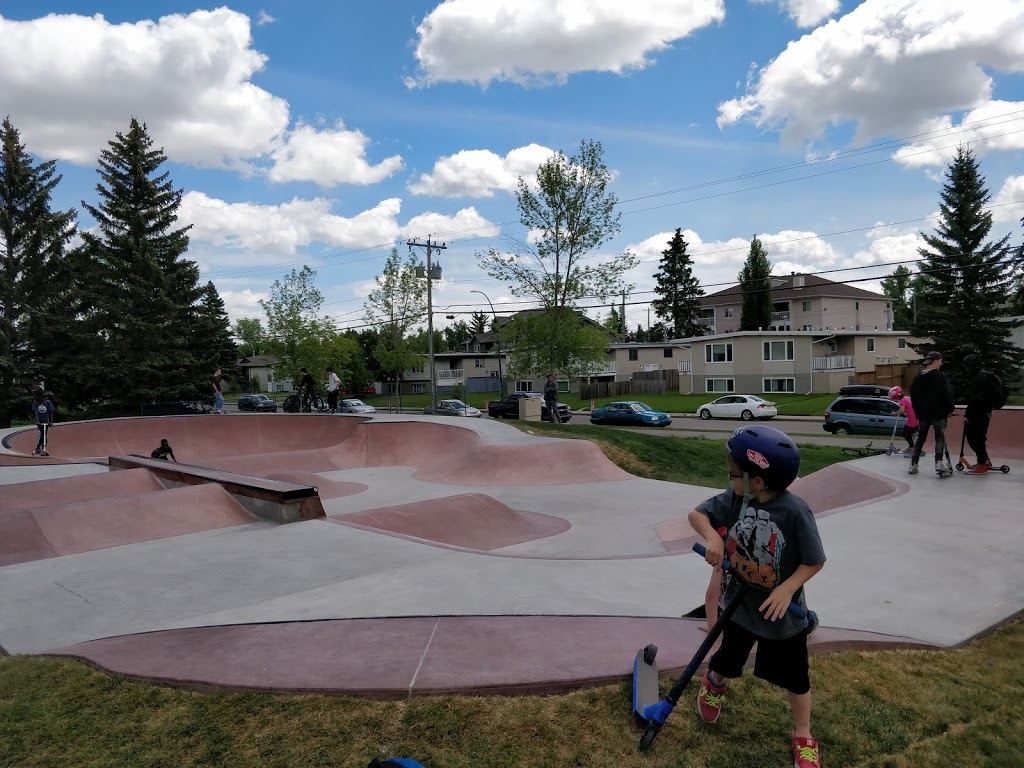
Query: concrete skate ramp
470	520
66	490
1005	441
265	444
66	529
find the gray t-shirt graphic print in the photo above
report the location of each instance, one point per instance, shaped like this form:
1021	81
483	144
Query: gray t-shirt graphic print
766	546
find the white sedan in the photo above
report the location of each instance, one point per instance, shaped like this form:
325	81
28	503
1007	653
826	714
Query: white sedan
351	405
744	407
454	408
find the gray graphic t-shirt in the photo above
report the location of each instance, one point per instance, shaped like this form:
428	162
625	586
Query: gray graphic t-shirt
772	540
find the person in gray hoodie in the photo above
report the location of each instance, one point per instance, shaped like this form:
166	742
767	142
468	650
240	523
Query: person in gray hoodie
932	397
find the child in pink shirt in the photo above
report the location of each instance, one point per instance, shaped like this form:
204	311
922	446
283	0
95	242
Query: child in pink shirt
906	409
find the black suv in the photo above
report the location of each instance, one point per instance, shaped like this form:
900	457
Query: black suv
257	403
508	407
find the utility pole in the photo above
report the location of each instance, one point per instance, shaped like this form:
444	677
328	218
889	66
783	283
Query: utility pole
432	273
501	378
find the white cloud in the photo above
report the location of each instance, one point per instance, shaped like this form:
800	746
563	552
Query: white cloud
993	126
328	157
244	303
543	41
479	172
280	230
806	13
467	223
887	66
188	77
264	18
1008	204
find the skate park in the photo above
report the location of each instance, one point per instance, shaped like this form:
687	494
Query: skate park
394	556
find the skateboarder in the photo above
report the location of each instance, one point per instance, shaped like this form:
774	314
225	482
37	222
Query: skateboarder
43	410
933	402
163	451
772	541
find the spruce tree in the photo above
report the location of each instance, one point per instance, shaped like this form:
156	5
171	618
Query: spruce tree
138	293
678	290
964	284
478	322
213	344
33	278
756	287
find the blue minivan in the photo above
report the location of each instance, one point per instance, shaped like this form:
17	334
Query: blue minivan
863	416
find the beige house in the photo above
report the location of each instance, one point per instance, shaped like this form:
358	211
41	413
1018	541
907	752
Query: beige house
768	362
803	303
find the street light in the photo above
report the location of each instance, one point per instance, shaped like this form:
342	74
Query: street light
501	379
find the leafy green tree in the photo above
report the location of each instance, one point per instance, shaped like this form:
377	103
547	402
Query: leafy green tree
478	322
613	323
248	332
293	319
898	287
33	278
756	287
398	303
570	214
679	292
136	293
963	291
457	334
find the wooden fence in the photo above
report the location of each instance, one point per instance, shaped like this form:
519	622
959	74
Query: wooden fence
643	383
890	375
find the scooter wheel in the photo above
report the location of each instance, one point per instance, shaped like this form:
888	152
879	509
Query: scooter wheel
959	467
650	652
1004	469
646	740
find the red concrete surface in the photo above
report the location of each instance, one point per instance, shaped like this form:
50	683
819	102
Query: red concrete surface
395	658
261	444
67	529
1005	437
65	490
471	520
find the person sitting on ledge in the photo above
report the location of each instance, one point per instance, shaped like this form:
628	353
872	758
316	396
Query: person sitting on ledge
163	452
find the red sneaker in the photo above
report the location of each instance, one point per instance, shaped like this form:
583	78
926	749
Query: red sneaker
709	699
978	469
805	752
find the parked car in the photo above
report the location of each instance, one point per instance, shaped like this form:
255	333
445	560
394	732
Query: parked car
454	408
257	403
351	405
508	407
629	413
862	415
744	407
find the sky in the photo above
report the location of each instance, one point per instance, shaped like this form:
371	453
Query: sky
325	133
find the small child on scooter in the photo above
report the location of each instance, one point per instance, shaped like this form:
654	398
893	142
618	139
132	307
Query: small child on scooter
772	541
906	409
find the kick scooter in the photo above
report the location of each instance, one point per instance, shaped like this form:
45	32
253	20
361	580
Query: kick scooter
652	713
41	451
963	463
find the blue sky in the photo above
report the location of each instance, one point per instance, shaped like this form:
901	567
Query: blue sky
323	133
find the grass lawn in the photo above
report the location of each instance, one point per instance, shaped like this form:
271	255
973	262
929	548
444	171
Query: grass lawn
897	709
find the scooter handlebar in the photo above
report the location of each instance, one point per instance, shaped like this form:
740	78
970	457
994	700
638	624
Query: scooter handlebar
794	608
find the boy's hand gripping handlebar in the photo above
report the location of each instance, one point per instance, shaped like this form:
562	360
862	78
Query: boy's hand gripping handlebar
797	610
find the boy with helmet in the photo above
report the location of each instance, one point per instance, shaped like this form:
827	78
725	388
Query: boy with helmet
906	409
43	411
772	541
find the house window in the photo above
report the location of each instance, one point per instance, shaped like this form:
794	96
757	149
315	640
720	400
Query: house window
494	374
779	385
806	306
719	385
901	343
524	386
727	312
718	353
419	389
871	344
856	305
389	389
807	328
778	350
563	386
668	351
478	362
634	354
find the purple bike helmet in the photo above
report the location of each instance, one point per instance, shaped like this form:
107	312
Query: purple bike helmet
766	453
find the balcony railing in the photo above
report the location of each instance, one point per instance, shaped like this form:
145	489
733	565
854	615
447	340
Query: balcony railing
707	322
449	374
832	363
778	317
599	369
685	366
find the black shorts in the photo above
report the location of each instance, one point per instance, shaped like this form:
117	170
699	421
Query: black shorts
780	662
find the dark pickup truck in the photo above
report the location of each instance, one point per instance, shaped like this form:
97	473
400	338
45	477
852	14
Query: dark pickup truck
508	407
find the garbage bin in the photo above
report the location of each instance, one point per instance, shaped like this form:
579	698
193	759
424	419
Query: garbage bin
529	408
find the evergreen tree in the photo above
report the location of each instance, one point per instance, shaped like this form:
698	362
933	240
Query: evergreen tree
614	324
478	322
213	344
897	287
33	278
137	294
756	287
678	290
963	291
